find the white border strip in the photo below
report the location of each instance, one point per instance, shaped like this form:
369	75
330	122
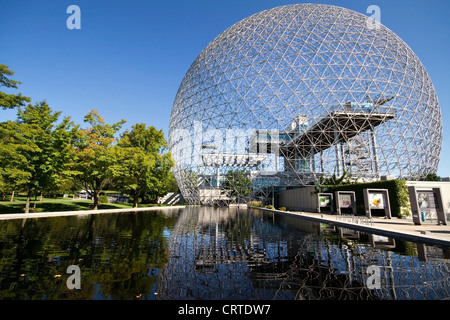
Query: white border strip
11	216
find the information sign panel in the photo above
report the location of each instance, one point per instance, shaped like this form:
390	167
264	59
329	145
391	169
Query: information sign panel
345	200
325	202
377	199
424	202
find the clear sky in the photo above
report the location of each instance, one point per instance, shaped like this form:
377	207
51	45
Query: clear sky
129	57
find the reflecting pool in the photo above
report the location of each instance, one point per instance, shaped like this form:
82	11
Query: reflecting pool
212	253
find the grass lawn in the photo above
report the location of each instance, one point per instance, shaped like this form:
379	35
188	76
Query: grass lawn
54	205
63	204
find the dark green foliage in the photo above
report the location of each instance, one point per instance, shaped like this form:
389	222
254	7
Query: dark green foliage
238	183
144	169
432	177
103	199
10	101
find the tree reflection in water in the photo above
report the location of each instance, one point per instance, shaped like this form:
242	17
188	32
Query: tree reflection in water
119	255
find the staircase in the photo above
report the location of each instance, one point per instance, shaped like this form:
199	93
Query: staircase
171	198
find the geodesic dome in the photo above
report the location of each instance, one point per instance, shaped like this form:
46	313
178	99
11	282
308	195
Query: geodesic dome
299	92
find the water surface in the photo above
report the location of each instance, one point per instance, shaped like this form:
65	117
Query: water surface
211	253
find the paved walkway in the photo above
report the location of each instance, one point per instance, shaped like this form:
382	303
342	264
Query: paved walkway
395	227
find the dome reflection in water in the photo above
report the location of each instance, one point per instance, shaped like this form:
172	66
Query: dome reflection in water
250	254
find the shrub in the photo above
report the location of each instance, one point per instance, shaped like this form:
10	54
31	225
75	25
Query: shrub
398	195
282	208
269	206
254	203
103	199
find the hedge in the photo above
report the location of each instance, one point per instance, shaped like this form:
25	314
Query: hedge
398	195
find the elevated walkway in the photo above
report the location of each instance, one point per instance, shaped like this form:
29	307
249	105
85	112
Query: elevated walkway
337	127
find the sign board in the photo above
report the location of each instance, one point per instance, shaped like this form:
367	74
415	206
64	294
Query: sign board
426	201
325	202
377	199
345	200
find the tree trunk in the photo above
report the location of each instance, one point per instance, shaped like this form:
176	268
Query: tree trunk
135	195
12	196
96	197
27	205
35	200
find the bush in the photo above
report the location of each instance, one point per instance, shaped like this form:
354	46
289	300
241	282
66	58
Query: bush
254	203
103	199
282	208
398	195
269	206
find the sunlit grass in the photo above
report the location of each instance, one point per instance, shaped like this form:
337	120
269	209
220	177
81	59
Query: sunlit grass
54	205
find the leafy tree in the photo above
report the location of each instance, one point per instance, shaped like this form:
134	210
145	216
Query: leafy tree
15	153
10	101
148	139
133	171
50	163
432	177
161	182
321	185
238	183
142	170
172	184
63	155
96	156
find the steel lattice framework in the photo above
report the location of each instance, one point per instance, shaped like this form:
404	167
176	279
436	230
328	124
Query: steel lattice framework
299	92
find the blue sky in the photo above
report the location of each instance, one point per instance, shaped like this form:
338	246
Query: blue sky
129	57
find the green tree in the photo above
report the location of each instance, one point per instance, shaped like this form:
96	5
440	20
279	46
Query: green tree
148	139
161	182
10	101
143	169
132	171
321	185
96	156
239	184
432	177
16	148
50	163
